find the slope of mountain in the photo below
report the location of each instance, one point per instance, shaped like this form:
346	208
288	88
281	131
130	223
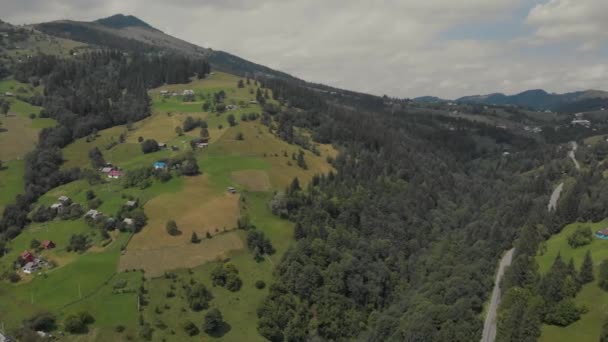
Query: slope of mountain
131	33
536	99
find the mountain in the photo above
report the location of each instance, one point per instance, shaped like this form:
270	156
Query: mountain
127	32
429	99
536	99
119	21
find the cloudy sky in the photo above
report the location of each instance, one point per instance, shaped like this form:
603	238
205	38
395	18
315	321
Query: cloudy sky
402	48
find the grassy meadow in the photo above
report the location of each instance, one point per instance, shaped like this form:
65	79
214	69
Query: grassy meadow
591	296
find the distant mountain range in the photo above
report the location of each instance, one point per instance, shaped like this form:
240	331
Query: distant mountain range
535	99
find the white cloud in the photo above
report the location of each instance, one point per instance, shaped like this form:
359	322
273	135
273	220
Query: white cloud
581	21
390	46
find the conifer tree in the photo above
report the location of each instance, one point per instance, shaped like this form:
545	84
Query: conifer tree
586	273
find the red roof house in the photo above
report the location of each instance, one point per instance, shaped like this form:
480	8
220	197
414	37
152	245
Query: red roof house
26	256
115	174
48	244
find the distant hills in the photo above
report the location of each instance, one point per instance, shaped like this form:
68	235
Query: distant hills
537	99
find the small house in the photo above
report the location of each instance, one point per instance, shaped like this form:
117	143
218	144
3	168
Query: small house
26	256
202	145
128	221
47	244
92	214
106	169
188	92
131	204
65	200
29	267
602	234
164	92
56	206
231	190
115	174
9	94
160	165
162	145
584	123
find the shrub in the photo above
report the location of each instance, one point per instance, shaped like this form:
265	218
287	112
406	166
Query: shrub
213	321
171	228
580	237
149	146
191	329
260	284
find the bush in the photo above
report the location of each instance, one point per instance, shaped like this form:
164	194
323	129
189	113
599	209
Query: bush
580	237
43	321
77	324
191	329
198	297
563	313
171	228
149	146
240	136
119	328
260	284
213	321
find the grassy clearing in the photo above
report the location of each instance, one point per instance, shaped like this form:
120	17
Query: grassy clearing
11	181
157	261
56	288
252	180
261	144
238	308
594	298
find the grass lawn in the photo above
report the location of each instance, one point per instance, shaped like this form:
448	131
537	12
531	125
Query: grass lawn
57	288
594	298
11	181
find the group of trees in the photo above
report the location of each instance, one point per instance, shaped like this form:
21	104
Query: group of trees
226	275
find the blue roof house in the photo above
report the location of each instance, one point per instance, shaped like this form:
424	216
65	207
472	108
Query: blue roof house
160	165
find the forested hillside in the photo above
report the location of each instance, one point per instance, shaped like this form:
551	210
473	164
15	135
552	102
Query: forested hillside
253	205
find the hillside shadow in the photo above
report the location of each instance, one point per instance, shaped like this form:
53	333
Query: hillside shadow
222	330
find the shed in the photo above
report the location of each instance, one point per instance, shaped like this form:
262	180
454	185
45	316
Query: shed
56	206
115	174
602	234
160	165
106	169
26	256
92	214
128	221
47	244
65	200
131	204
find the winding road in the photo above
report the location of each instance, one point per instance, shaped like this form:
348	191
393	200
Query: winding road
571	154
489	326
555	197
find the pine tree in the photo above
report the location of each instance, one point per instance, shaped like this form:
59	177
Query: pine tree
298	231
586	273
194	238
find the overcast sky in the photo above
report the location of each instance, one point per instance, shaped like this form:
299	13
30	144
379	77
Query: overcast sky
402	48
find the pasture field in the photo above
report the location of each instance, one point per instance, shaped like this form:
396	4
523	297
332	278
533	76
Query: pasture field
252	180
238	308
11	181
595	299
57	288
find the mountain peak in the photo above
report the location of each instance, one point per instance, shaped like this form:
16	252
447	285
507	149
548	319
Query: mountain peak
119	21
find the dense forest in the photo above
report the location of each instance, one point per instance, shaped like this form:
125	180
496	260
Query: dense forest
86	94
399	244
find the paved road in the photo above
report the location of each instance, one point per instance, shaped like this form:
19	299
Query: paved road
555	197
489	326
572	156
